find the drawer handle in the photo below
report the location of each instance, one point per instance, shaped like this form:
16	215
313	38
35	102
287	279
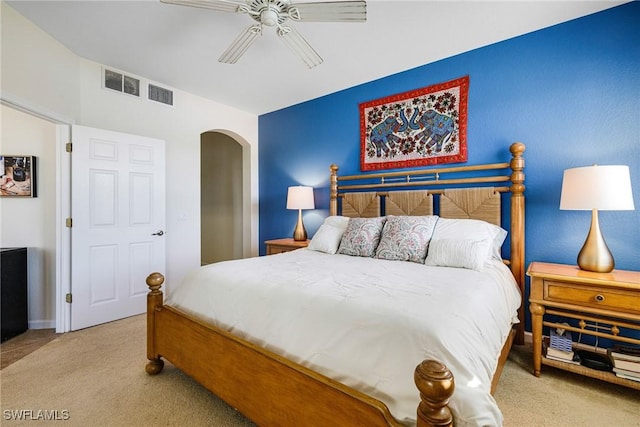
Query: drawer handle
600	298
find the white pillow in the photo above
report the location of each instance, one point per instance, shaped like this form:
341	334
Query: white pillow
327	238
472	229
471	254
337	221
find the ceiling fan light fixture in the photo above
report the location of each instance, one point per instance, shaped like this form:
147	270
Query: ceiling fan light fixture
269	17
274	13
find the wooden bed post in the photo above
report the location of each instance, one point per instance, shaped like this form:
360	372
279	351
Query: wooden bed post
436	386
517	229
333	186
154	303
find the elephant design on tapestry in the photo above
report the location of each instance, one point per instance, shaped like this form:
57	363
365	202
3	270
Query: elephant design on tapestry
383	135
434	130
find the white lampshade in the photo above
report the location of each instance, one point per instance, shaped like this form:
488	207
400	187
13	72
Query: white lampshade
597	187
300	197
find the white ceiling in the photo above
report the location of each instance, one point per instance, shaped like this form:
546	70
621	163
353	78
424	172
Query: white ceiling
178	46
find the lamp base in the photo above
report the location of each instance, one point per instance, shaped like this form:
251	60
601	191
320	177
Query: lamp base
595	254
299	234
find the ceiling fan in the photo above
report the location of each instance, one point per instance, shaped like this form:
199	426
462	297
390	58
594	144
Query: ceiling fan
274	13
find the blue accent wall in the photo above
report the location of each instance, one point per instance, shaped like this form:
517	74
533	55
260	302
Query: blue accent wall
570	92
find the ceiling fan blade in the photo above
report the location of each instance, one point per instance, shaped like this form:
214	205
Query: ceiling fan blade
333	11
223	5
299	46
241	44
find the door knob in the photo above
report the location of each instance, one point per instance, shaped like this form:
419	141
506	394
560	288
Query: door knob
158	233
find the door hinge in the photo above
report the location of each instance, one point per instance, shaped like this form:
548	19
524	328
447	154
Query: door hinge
69	222
69	147
68	298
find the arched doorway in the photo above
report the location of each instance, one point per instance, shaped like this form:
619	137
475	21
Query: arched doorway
221	198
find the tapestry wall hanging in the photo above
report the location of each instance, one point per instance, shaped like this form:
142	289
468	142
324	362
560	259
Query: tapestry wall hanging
425	126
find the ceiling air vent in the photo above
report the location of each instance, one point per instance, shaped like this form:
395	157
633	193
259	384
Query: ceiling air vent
121	82
160	94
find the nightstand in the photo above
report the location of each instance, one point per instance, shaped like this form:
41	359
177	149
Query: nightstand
284	245
605	304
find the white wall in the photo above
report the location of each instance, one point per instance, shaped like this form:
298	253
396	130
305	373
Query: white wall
37	68
39	72
180	126
30	222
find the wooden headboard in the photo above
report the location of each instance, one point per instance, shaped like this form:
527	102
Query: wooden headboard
451	192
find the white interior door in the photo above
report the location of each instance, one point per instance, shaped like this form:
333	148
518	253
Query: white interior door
118	214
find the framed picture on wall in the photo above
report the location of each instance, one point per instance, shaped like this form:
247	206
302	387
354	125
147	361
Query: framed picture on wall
18	176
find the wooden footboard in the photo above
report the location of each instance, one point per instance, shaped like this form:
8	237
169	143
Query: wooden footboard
268	388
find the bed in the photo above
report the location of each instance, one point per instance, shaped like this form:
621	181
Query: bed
296	377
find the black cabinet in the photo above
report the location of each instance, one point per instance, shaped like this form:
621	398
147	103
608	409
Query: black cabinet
13	284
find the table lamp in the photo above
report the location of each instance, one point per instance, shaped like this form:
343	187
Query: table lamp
596	188
300	197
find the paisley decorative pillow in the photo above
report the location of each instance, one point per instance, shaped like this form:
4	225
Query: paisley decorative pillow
406	238
361	236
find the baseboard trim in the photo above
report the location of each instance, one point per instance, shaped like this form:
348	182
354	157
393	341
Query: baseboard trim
42	324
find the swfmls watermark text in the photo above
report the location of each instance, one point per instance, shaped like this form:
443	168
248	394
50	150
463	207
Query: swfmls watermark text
36	414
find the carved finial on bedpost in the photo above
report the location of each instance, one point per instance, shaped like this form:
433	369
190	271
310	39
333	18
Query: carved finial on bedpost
154	282
436	386
517	166
517	227
154	303
333	186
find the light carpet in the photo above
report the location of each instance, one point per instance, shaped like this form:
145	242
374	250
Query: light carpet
96	377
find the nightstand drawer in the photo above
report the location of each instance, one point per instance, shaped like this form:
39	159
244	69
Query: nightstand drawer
592	296
275	249
279	246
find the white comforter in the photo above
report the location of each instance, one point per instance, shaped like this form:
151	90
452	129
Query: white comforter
366	322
